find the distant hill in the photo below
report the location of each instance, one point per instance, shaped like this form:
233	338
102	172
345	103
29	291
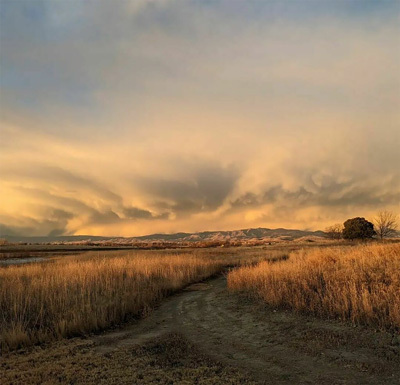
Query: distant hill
245	234
258	233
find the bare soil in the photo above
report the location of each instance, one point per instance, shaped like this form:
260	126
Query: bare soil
206	335
271	346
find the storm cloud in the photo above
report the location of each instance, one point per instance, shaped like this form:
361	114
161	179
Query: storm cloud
146	116
204	189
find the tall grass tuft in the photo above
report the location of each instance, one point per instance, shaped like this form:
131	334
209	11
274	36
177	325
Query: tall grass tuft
72	296
359	283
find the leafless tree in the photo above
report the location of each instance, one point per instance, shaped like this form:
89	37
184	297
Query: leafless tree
386	223
334	232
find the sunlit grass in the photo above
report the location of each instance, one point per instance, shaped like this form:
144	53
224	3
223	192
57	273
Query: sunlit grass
359	283
75	295
72	296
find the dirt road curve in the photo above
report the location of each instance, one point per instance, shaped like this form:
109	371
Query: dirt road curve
273	347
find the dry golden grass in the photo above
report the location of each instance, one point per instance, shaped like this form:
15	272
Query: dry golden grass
75	295
359	283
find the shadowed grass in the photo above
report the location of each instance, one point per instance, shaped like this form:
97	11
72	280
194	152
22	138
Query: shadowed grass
169	359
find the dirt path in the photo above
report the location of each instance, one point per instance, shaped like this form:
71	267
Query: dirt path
273	347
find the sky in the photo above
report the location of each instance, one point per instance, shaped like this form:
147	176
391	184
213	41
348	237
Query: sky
131	117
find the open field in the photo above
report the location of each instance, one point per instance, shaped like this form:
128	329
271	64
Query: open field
203	333
75	295
359	283
206	335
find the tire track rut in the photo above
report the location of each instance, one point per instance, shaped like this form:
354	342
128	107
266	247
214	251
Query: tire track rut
273	347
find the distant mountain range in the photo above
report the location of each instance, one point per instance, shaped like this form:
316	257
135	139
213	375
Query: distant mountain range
245	234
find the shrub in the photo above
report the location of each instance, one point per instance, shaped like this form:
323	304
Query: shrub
358	228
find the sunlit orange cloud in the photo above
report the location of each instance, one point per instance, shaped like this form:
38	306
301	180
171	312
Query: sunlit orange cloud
132	124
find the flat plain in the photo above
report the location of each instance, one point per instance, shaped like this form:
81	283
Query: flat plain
196	329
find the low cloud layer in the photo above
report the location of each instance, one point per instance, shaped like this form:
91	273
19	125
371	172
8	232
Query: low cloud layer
164	116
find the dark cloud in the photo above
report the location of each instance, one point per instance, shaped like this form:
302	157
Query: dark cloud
61	214
205	190
353	193
370	196
33	227
137	213
104	217
272	195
